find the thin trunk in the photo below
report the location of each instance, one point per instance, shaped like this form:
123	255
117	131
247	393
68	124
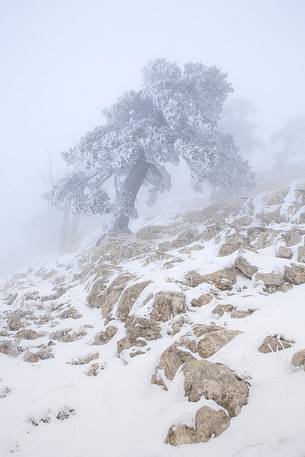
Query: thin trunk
129	190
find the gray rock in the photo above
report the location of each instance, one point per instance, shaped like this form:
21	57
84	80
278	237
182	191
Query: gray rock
298	359
202	300
295	274
284	252
215	382
128	298
274	343
167	305
211	342
27	334
270	279
104	336
245	267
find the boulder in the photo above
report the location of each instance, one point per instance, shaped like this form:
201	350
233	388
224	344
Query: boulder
245	267
70	313
215	382
202	329
222	279
298	359
167	305
140	327
211	342
104	336
202	300
8	348
128	298
270	279
228	248
301	254
84	359
221	309
210	423
181	434
292	237
175	356
274	343
14	323
27	334
295	274
284	252
67	335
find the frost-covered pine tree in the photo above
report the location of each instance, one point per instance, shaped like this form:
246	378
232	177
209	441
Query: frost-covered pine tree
174	116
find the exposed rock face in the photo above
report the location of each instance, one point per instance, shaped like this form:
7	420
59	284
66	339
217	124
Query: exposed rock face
14	323
298	359
128	298
245	267
107	297
284	252
34	357
292	237
295	274
211	342
84	359
208	423
274	344
301	254
174	356
202	300
167	305
70	313
270	279
27	334
67	335
202	329
138	329
8	348
216	382
104	336
222	279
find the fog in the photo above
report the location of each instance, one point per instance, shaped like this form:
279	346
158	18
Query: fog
63	61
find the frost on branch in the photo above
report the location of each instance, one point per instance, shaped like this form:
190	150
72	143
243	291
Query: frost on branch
174	116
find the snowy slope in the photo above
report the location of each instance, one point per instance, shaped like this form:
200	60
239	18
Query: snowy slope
50	407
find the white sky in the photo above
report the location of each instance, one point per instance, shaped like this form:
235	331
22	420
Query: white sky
62	61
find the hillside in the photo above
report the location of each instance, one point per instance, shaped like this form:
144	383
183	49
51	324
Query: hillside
184	339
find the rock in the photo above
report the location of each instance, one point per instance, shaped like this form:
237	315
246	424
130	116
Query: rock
295	274
211	342
64	413
270	279
241	313
94	297
210	423
202	300
67	335
30	357
298	359
84	359
215	382
107	298
245	267
230	247
27	334
202	329
70	313
271	217
274	343
284	253
104	336
181	434
128	298
14	323
8	348
174	356
93	369
126	343
292	237
167	305
221	309
4	391
222	279
185	237
301	254
140	327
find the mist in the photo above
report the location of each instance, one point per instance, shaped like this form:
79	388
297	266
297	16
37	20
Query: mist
63	62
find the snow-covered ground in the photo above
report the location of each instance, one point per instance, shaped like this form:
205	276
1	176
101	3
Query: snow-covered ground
54	408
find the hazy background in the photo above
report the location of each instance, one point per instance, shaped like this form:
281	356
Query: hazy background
62	61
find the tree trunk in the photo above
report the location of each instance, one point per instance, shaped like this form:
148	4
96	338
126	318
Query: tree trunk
127	194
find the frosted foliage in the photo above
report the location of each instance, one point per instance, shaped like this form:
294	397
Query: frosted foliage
174	116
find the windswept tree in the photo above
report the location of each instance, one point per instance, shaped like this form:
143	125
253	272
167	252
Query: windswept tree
174	116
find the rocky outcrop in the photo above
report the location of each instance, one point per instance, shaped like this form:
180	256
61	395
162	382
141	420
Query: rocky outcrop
274	343
128	298
208	424
104	336
28	334
67	335
211	342
298	359
222	279
138	330
242	264
167	305
202	300
284	252
295	274
215	382
270	279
